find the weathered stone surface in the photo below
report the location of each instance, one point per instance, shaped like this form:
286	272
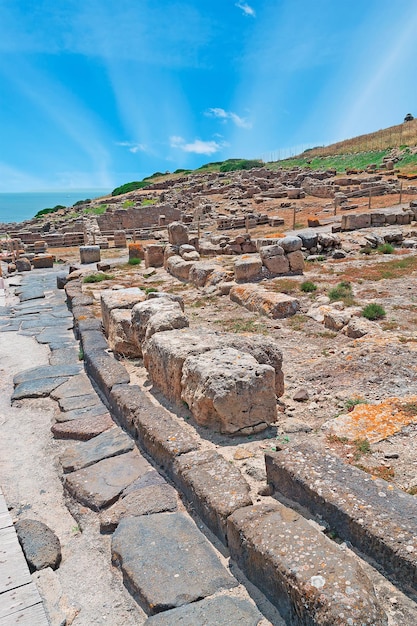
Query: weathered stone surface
61	279
110	443
23	265
375	516
304	574
121	338
89	254
145	501
119	299
101	484
359	327
214	487
78	385
158	433
40	545
229	392
222	610
274	259
179	267
274	305
184	568
38	388
105	371
43	261
90	411
92	341
154	255
31	293
62	356
248	268
296	261
336	320
177	234
291	243
355	221
83	428
156	315
200	272
309	238
47	371
163	294
77	402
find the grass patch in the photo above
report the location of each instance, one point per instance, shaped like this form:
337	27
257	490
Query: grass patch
412	490
352	402
96	210
397	268
386	248
134	261
244	326
148	201
381	471
373	311
97	278
308	286
285	285
297	322
342	292
127	204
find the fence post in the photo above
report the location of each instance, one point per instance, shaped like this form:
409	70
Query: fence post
369	201
293	217
401	192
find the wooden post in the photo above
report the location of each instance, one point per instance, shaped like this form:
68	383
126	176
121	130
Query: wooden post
401	192
369	201
335	206
293	217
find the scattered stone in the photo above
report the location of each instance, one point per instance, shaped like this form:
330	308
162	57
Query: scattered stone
184	569
274	305
39	543
110	443
292	425
83	428
23	265
301	395
241	454
100	485
38	388
89	254
222	610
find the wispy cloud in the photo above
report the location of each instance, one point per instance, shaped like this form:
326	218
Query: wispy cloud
241	122
132	147
197	146
246	8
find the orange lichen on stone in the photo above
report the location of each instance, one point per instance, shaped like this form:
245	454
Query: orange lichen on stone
376	422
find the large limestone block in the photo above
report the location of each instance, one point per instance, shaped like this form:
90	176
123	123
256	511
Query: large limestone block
296	261
119	299
356	221
229	392
156	315
274	305
179	267
121	338
43	261
200	273
248	268
154	255
89	254
177	234
274	258
291	243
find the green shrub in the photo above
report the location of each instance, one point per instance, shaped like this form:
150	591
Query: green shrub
343	292
386	248
129	187
373	311
96	210
135	261
97	278
308	286
148	201
232	165
80	202
47	211
127	204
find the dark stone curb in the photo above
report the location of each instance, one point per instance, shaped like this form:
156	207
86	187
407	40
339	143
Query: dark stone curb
376	517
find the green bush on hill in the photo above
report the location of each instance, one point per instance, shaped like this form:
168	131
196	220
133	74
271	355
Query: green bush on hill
129	187
46	211
232	165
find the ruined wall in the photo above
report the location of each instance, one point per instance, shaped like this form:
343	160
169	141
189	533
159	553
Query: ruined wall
137	217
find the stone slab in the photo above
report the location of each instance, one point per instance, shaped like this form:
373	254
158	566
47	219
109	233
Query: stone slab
100	485
79	385
39	543
273	305
83	428
31	294
61	356
110	443
146	501
105	370
50	335
92	340
374	515
78	402
47	371
308	577
214	487
185	567
39	388
223	610
157	432
90	411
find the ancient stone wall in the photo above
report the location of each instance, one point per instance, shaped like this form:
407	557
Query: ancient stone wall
137	217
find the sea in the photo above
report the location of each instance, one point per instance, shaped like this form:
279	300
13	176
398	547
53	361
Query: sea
18	207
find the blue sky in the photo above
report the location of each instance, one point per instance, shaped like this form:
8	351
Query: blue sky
96	93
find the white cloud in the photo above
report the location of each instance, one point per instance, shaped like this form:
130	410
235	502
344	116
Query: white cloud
241	122
132	147
197	146
246	8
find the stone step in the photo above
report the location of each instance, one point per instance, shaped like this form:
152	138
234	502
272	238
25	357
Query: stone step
109	444
375	516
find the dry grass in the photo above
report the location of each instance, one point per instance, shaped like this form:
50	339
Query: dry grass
396	268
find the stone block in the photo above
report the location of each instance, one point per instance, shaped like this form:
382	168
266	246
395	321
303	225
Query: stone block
89	254
223	610
379	519
230	392
154	255
275	263
136	251
120	239
309	238
118	299
23	265
177	234
274	305
108	444
291	243
43	261
185	567
296	261
83	428
179	267
248	268
214	487
39	543
105	370
356	221
121	338
200	272
156	315
308	577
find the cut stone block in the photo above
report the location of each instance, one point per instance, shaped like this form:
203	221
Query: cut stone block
177	234
90	254
296	261
145	501
105	371
214	487
276	263
229	392
43	261
110	443
309	578
83	428
119	299
375	516
154	255
222	610
179	267
200	272
121	338
101	484
248	268
274	305
184	569
156	315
